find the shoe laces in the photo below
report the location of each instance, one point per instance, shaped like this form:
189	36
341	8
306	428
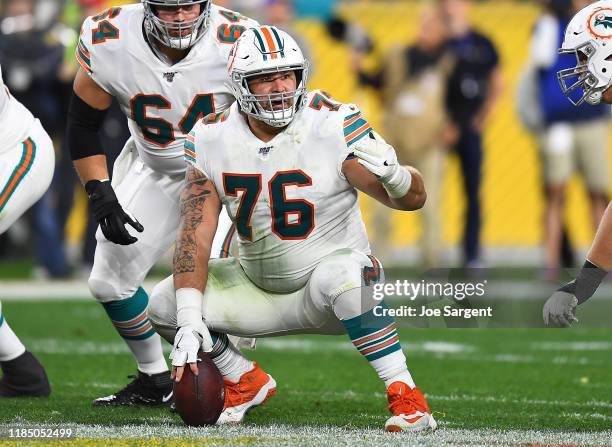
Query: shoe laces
232	393
135	384
406	402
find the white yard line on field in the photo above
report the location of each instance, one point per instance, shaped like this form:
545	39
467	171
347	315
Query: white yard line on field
31	290
84	347
293	344
281	435
572	346
495	399
356	395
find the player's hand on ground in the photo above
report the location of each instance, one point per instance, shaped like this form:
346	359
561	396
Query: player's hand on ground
110	215
377	156
560	309
187	343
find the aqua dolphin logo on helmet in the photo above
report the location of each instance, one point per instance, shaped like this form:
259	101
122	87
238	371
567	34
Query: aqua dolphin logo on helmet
604	20
260	51
589	38
178	35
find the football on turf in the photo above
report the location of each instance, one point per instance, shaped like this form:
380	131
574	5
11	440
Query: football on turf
199	399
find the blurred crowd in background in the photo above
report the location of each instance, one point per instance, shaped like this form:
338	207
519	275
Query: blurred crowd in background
436	91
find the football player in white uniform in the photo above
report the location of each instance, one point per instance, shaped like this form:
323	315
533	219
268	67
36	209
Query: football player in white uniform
287	165
164	62
589	37
27	160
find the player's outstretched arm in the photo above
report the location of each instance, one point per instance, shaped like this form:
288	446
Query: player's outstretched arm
376	172
560	308
88	107
600	253
199	209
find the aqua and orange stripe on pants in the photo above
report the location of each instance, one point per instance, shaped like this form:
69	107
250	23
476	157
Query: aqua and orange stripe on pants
20	171
227	242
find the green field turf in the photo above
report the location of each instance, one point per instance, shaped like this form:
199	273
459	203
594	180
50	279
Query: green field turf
476	380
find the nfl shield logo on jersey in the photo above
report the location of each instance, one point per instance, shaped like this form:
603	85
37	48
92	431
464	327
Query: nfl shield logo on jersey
265	150
169	76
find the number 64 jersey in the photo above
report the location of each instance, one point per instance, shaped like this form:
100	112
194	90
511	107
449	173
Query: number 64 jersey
162	102
288	197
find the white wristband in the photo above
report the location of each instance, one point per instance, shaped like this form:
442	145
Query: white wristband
189	307
399	184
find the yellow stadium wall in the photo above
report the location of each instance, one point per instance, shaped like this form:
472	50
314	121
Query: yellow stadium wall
511	192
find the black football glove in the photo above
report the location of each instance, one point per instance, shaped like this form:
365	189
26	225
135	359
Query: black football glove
108	212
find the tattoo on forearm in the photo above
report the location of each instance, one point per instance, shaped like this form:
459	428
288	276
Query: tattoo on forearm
192	201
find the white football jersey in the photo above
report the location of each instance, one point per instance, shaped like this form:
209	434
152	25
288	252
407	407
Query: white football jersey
162	102
290	201
15	120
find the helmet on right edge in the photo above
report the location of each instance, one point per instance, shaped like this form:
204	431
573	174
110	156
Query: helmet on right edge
260	51
589	37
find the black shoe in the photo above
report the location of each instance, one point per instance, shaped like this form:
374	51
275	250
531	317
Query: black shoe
24	377
148	390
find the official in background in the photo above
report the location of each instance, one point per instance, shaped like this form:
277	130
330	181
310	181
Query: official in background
473	90
412	84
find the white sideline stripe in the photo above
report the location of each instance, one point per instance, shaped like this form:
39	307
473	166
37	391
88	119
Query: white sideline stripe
555	403
605	417
353	395
77	290
83	347
463	352
52	290
572	346
61	346
345	345
283	435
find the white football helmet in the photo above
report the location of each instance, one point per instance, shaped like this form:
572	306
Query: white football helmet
170	34
589	37
263	50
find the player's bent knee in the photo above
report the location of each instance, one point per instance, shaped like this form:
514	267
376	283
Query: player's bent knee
107	285
103	289
162	309
342	271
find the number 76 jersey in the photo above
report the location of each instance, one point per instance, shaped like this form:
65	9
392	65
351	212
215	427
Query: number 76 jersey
162	102
288	197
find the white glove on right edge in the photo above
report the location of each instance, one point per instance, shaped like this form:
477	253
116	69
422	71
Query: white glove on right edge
380	159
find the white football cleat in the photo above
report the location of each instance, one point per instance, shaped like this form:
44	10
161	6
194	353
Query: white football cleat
253	389
409	408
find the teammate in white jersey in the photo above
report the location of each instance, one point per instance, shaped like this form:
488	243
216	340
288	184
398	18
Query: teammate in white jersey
287	165
27	160
165	63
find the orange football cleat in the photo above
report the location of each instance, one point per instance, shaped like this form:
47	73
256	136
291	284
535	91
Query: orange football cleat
409	408
253	388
